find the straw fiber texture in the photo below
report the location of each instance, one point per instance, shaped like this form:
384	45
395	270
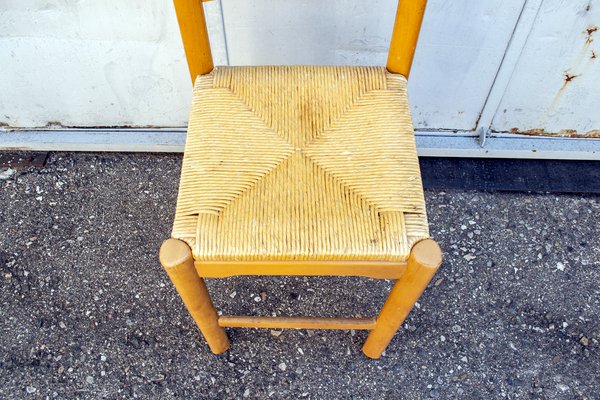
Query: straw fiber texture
300	163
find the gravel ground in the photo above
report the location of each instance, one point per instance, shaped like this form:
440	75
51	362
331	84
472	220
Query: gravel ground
87	312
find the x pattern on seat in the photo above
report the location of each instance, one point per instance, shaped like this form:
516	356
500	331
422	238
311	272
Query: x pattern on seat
300	163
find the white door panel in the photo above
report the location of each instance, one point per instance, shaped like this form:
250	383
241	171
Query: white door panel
95	63
461	46
554	87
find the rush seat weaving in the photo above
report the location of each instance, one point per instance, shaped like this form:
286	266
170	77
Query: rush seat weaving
300	163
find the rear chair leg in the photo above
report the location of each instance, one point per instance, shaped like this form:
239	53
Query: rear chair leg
176	257
424	260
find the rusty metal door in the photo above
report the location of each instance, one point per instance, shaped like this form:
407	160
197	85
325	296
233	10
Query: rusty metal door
553	87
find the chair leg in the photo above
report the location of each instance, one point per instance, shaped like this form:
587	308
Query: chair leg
425	258
176	257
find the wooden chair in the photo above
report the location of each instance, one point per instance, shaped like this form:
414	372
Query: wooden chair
300	170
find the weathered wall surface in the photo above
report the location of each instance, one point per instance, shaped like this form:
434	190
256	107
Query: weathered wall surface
92	63
555	87
461	45
101	63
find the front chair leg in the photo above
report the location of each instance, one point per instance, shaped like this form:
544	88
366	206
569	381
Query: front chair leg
176	257
424	260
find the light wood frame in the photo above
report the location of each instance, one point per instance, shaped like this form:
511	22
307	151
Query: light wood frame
412	276
425	258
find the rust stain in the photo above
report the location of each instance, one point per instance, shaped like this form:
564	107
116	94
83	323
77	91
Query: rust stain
567	133
569	77
477	120
530	132
589	32
60	125
54	125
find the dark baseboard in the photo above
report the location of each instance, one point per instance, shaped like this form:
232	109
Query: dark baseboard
559	176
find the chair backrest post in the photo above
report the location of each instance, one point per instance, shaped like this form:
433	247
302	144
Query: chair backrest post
192	24
194	34
409	16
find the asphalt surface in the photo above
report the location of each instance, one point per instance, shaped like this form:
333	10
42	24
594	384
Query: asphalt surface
86	310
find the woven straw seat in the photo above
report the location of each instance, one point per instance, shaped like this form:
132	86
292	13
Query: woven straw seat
298	163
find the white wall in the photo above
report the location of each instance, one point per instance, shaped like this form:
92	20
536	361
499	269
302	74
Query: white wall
564	41
91	63
460	49
121	63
